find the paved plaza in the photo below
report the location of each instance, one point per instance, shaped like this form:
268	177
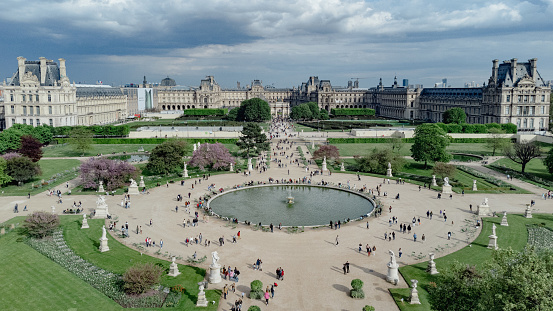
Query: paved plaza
312	261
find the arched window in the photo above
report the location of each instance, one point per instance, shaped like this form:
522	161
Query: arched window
188	107
173	107
178	107
205	106
163	107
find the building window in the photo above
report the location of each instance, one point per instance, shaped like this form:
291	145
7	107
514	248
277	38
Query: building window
31	122
525	123
518	123
31	110
531	123
11	97
531	110
543	98
508	98
37	122
49	109
507	110
49	98
37	98
24	110
13	121
51	121
13	109
38	110
542	109
518	110
541	123
24	121
23	98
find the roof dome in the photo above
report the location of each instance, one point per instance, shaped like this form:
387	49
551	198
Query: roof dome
168	82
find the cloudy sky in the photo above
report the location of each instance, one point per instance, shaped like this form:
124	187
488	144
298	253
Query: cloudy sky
281	42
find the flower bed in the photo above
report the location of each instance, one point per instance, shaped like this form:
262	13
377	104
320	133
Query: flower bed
540	237
106	282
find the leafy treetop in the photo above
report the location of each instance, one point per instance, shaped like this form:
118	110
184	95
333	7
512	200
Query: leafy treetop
455	115
430	144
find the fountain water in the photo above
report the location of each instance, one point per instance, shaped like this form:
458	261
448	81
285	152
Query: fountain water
290	198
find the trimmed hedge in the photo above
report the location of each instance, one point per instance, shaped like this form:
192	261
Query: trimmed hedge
143	141
373	140
509	128
352	112
204	112
97	130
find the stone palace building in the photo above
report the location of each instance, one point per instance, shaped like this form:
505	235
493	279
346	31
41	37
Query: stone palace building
40	93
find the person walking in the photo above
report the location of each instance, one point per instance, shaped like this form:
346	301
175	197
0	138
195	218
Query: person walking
337	241
267	296
161	243
414	237
400	252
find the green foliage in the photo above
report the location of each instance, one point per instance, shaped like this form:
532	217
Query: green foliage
165	158
147	141
496	142
368	308
522	152
256	289
367	140
328	151
548	161
455	115
204	112
511	281
254	308
323	114
301	112
352	112
233	114
141	277
477	128
81	139
357	284
444	170
41	224
252	140
96	130
430	144
377	161
357	294
254	110
22	169
509	128
4	177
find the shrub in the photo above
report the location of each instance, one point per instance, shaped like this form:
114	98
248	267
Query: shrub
112	173
138	278
254	308
41	224
256	289
204	112
352	112
357	291
368	308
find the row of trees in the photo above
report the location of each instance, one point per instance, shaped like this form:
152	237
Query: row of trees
251	110
308	111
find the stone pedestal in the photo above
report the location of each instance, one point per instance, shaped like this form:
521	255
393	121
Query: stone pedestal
141	184
414	297
342	168
432	265
101	208
528	212
434	184
185	173
493	241
446	189
101	187
504	220
474	188
214	274
53	209
174	269
202	301
85	223
133	189
104	245
389	172
231	168
483	210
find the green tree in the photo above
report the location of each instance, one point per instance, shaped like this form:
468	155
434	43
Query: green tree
495	140
4	177
314	108
444	170
254	110
455	115
22	169
252	140
377	161
167	157
323	115
80	139
548	161
522	152
233	114
43	133
430	143
41	224
301	112
511	281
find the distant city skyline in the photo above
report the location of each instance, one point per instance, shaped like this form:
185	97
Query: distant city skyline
281	43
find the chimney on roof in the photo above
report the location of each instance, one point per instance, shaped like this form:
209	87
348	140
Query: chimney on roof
514	70
534	68
42	70
21	66
495	69
63	72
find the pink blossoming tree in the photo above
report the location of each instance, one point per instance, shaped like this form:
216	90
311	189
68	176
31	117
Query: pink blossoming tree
113	173
214	156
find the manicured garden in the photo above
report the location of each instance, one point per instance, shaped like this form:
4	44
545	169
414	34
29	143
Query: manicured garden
59	289
477	254
66	150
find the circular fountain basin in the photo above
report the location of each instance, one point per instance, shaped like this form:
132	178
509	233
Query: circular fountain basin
313	205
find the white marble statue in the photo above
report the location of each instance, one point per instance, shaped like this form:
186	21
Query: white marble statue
214	259
104	232
493	229
324	159
485	201
389	165
133	183
184	165
392	257
446	181
101	200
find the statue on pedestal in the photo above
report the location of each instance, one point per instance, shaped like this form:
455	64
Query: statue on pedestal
446	181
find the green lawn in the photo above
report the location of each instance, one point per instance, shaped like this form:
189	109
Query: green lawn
534	167
514	236
65	150
32	281
54	172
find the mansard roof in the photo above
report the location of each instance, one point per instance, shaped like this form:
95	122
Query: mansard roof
523	71
451	92
52	73
89	91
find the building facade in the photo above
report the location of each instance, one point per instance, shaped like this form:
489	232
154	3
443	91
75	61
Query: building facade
40	93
